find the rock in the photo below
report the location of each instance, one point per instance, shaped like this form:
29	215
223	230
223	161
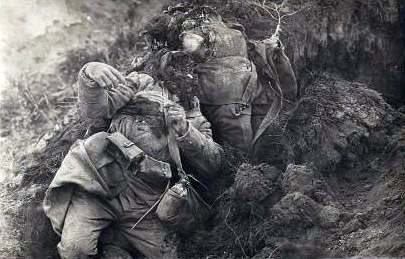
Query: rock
295	210
329	217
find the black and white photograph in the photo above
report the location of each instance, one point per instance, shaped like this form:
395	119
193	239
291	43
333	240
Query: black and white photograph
212	129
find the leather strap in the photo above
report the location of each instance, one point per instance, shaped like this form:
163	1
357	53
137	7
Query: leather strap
153	206
174	147
174	154
172	142
249	89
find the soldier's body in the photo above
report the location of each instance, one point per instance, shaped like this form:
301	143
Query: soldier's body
227	78
83	201
235	97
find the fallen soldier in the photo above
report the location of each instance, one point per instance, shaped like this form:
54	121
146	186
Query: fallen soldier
96	189
241	81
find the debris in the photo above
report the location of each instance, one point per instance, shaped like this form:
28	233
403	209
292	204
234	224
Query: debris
329	217
353	225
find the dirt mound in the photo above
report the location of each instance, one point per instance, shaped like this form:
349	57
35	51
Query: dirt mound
28	232
333	125
335	152
295	210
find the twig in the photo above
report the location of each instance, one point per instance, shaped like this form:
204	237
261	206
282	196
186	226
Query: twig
32	100
263	7
233	231
272	252
277	9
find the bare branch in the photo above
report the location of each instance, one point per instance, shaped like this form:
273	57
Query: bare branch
276	12
264	8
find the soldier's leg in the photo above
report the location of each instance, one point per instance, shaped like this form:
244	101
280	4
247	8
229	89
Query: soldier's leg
150	236
87	216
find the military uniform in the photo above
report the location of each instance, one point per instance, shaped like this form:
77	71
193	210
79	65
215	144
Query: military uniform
234	98
227	79
83	200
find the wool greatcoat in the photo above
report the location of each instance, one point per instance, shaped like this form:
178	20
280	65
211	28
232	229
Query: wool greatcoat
82	201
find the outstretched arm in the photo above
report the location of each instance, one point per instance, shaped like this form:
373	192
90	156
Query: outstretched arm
101	91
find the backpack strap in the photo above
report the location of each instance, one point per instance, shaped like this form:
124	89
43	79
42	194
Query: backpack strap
172	142
174	148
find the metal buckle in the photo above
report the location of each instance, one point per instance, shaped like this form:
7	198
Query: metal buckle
128	144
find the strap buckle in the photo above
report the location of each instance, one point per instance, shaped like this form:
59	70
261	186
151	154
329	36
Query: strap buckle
128	144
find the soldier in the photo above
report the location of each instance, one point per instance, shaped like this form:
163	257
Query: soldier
96	189
236	92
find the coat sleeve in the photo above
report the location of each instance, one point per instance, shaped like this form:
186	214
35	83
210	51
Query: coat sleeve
198	148
96	102
285	72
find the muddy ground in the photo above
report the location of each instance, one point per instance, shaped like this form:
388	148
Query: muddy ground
329	185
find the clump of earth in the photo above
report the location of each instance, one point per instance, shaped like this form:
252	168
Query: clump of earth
322	190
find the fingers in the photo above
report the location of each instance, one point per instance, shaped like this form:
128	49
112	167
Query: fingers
105	75
100	81
106	80
117	74
177	116
175	107
112	77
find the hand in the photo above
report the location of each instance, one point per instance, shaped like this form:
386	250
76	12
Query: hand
104	75
177	116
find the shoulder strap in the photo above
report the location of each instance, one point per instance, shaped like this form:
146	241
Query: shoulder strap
171	139
174	147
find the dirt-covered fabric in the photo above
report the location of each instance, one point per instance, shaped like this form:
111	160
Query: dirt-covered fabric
138	114
234	96
107	182
89	215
